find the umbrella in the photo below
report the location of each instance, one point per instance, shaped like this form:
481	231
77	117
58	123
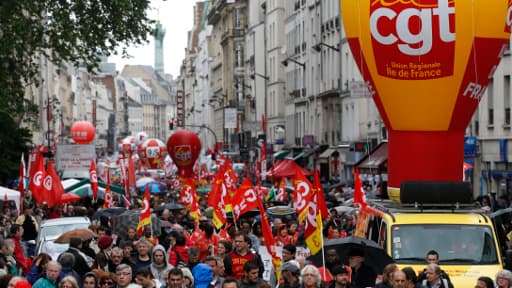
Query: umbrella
171	206
108	212
69	197
375	256
280	211
141	182
154	187
85	234
131	218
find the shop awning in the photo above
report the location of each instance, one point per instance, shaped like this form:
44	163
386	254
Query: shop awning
281	155
376	158
327	153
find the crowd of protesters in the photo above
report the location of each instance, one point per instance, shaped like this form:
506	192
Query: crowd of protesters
190	254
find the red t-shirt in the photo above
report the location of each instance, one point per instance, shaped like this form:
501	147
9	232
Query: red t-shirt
237	263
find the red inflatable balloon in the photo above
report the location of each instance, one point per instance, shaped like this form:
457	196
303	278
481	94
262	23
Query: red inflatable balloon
184	146
82	132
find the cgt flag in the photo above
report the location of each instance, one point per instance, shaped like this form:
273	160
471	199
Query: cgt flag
302	194
313	228
145	213
245	199
189	199
216	199
93	179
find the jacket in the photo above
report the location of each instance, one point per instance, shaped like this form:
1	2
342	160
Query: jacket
81	267
44	282
159	272
203	275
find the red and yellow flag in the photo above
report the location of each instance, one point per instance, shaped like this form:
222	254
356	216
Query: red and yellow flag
189	198
302	194
145	213
216	199
313	229
269	239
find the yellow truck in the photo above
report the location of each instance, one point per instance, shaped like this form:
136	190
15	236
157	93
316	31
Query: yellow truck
445	220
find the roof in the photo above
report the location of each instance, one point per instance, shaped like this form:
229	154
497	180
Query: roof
327	153
376	158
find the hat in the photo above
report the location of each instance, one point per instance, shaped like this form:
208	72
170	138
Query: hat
105	242
290	267
356	252
341	269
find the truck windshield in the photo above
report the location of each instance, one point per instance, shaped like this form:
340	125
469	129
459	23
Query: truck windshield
456	244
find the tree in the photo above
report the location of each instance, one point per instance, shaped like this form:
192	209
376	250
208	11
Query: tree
12	144
77	32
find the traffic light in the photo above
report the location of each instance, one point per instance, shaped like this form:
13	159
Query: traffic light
171	124
361	147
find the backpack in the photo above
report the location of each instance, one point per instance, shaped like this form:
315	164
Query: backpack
180	263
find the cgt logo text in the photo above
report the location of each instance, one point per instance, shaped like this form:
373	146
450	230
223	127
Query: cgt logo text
389	27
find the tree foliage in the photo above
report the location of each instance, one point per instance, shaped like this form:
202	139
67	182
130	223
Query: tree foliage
12	144
75	31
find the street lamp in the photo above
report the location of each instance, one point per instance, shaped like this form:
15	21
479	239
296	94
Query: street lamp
49	119
318	47
285	62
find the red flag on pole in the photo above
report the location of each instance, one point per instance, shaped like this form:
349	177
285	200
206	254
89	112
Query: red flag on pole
189	199
317	188
302	194
269	239
108	201
145	213
245	199
36	180
216	199
359	195
313	227
53	188
93	179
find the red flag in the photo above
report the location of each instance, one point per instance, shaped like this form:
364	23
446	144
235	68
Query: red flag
189	198
21	184
281	191
108	201
269	239
317	187
145	213
93	179
359	196
127	203
245	199
36	180
302	194
313	227
216	199
53	188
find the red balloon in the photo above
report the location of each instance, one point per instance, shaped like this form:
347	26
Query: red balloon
153	150
83	132
184	146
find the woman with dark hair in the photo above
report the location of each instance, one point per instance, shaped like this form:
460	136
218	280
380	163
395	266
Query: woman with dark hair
38	268
178	254
484	282
224	247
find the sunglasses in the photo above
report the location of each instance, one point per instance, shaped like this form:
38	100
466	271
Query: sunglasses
107	282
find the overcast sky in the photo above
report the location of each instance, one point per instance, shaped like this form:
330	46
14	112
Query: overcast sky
177	18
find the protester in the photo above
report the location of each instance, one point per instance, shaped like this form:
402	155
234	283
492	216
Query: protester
341	275
81	267
203	275
159	265
411	279
174	278
68	282
30	228
50	279
67	262
143	258
251	278
144	278
432	257
90	280
484	282
124	277
504	279
290	273
310	277
215	264
387	276
224	247
235	260
399	279
434	278
362	274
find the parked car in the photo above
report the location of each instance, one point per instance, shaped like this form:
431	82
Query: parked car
51	229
